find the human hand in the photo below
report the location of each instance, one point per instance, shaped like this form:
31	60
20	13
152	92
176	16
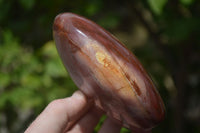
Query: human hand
75	114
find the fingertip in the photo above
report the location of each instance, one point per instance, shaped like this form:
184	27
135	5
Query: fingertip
79	94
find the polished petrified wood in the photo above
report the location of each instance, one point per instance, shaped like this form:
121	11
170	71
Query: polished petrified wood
105	70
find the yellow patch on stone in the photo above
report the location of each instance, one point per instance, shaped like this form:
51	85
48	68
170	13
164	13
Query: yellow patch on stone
103	58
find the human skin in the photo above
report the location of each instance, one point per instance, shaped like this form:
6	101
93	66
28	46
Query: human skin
108	74
75	114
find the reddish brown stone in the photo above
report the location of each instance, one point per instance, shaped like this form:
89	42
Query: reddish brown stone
105	70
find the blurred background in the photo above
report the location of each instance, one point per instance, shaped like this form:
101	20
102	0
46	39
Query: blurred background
163	34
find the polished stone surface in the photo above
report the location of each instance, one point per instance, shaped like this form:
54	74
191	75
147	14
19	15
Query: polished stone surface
105	70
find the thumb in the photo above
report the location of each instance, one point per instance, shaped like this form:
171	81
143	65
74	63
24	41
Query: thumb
59	113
